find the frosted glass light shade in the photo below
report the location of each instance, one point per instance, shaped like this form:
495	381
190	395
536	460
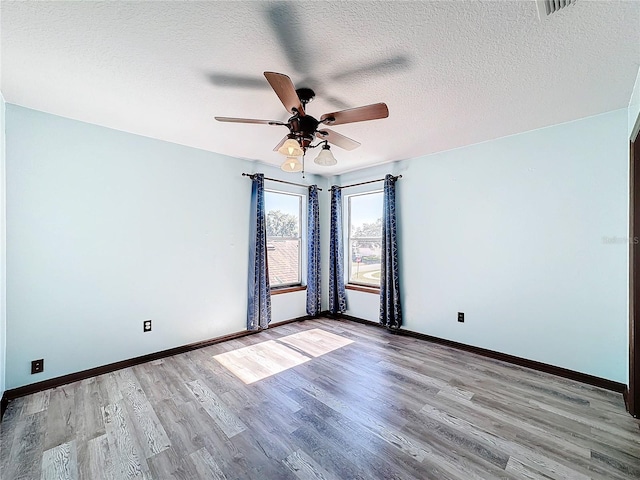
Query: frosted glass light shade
292	165
291	148
325	158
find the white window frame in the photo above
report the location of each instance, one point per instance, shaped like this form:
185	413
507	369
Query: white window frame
300	236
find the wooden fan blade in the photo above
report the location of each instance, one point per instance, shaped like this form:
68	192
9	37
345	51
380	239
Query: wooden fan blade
248	120
237	81
290	35
283	86
337	139
389	65
286	137
358	114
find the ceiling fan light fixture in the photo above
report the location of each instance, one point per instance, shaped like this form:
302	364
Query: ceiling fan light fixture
291	148
291	165
325	157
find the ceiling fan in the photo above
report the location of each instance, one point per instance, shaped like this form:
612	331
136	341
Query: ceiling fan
303	128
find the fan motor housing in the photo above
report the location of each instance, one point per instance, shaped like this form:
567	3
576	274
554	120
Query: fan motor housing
304	128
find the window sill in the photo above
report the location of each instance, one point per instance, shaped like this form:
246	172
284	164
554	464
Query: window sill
295	288
362	288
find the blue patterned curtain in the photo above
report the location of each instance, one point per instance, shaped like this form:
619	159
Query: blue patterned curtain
390	309
337	294
259	304
314	299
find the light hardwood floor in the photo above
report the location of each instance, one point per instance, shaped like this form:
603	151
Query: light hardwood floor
323	399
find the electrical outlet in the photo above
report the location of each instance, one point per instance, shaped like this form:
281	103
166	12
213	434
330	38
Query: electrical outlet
146	326
461	317
37	366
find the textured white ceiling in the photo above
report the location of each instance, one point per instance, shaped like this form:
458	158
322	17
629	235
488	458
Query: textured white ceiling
452	73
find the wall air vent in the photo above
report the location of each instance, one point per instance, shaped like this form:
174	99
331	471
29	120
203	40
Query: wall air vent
547	7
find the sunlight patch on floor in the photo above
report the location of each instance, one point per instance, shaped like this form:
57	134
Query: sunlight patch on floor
316	342
264	359
259	361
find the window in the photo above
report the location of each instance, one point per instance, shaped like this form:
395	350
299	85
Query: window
283	216
365	238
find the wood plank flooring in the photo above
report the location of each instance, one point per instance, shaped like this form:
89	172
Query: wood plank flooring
357	403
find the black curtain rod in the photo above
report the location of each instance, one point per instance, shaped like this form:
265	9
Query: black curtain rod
370	181
251	175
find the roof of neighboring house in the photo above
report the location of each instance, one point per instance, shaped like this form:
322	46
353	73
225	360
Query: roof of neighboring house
282	258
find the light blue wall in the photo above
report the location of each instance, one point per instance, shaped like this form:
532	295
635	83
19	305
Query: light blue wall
634	104
511	233
107	229
3	297
324	201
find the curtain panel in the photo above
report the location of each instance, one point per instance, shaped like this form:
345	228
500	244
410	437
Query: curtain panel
337	293
259	299
314	298
390	308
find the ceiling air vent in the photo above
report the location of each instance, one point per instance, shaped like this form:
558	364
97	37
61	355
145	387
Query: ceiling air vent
547	7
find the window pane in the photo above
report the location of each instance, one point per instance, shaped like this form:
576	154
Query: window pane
365	235
283	237
283	256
